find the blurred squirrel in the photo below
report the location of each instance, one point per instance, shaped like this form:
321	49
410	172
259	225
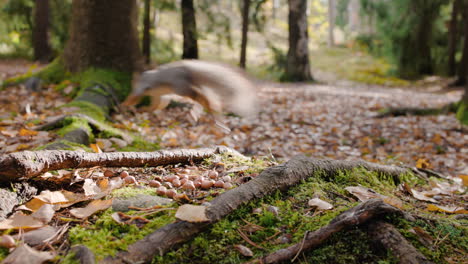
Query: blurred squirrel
215	86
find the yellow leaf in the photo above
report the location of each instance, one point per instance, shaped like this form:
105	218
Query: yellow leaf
446	209
423	164
26	132
464	179
96	148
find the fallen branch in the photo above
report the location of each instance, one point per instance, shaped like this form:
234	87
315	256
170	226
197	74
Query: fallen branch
352	217
28	164
270	180
388	236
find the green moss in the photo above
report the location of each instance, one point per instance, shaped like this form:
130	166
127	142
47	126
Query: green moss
72	123
105	236
3	253
119	81
139	144
88	109
127	192
462	113
54	72
65	143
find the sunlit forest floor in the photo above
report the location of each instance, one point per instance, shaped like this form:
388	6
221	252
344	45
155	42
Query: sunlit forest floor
337	120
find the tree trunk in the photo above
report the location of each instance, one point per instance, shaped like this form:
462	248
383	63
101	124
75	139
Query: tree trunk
245	30
42	50
103	34
453	38
331	23
297	67
462	70
146	41
189	28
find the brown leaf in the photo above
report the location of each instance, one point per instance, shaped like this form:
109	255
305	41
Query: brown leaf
447	209
25	254
244	251
91	208
192	213
20	220
26	132
44	214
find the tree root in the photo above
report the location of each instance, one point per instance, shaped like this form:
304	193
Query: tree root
275	178
403	111
28	164
388	236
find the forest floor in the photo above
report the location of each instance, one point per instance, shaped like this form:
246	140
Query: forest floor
338	120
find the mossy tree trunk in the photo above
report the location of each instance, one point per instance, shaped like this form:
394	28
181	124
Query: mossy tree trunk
103	34
245	30
297	66
41	46
189	28
102	52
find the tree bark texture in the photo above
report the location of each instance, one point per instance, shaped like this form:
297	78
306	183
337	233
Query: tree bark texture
297	67
103	34
453	38
245	31
270	180
189	28
462	70
146	40
41	46
27	164
390	238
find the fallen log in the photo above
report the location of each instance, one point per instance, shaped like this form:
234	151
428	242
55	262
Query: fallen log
27	164
270	180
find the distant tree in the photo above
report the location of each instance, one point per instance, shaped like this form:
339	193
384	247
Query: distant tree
189	28
41	46
146	39
103	34
245	29
453	37
297	66
406	29
463	67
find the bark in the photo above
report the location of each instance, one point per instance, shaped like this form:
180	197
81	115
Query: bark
453	38
41	46
462	70
189	28
28	164
103	34
297	66
269	181
245	30
146	41
388	236
350	218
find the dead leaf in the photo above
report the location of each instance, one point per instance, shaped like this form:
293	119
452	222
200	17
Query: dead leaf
421	196
20	220
446	209
91	208
363	193
95	148
38	236
44	214
320	204
464	179
244	251
192	213
25	254
26	132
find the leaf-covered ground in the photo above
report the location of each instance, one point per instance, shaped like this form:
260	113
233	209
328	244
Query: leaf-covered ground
335	121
